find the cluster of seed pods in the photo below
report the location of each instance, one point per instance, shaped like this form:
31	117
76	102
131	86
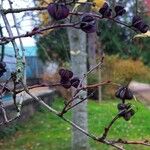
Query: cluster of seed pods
124	94
60	11
67	80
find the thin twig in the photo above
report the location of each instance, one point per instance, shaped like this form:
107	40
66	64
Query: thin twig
96	85
82	100
4	86
8	28
67	104
120	141
38	86
6	11
107	129
38	31
79	88
4	113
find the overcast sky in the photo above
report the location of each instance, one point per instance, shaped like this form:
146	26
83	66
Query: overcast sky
27	24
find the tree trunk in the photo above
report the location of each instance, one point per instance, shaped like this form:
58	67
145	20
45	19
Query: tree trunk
100	55
77	40
99	88
91	46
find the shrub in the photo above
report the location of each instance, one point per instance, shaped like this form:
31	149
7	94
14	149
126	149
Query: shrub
120	70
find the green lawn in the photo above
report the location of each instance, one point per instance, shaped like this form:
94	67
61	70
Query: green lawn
44	131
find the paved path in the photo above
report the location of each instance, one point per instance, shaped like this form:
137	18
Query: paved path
141	90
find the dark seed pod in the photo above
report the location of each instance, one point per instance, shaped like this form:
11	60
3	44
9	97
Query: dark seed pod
2	68
136	20
139	24
75	82
129	114
124	93
121	106
65	83
61	72
58	11
122	112
144	28
65	74
129	94
105	11
119	10
88	24
117	94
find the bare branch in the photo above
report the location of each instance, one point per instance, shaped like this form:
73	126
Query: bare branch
8	27
4	112
107	129
6	11
82	100
38	31
99	65
120	141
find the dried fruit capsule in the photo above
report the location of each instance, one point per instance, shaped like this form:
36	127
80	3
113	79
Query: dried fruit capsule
61	72
58	11
2	68
136	20
65	74
105	11
144	28
129	114
75	82
139	24
121	106
124	93
119	10
129	94
65	83
88	23
117	94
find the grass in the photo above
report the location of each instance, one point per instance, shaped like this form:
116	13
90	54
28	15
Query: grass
44	131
